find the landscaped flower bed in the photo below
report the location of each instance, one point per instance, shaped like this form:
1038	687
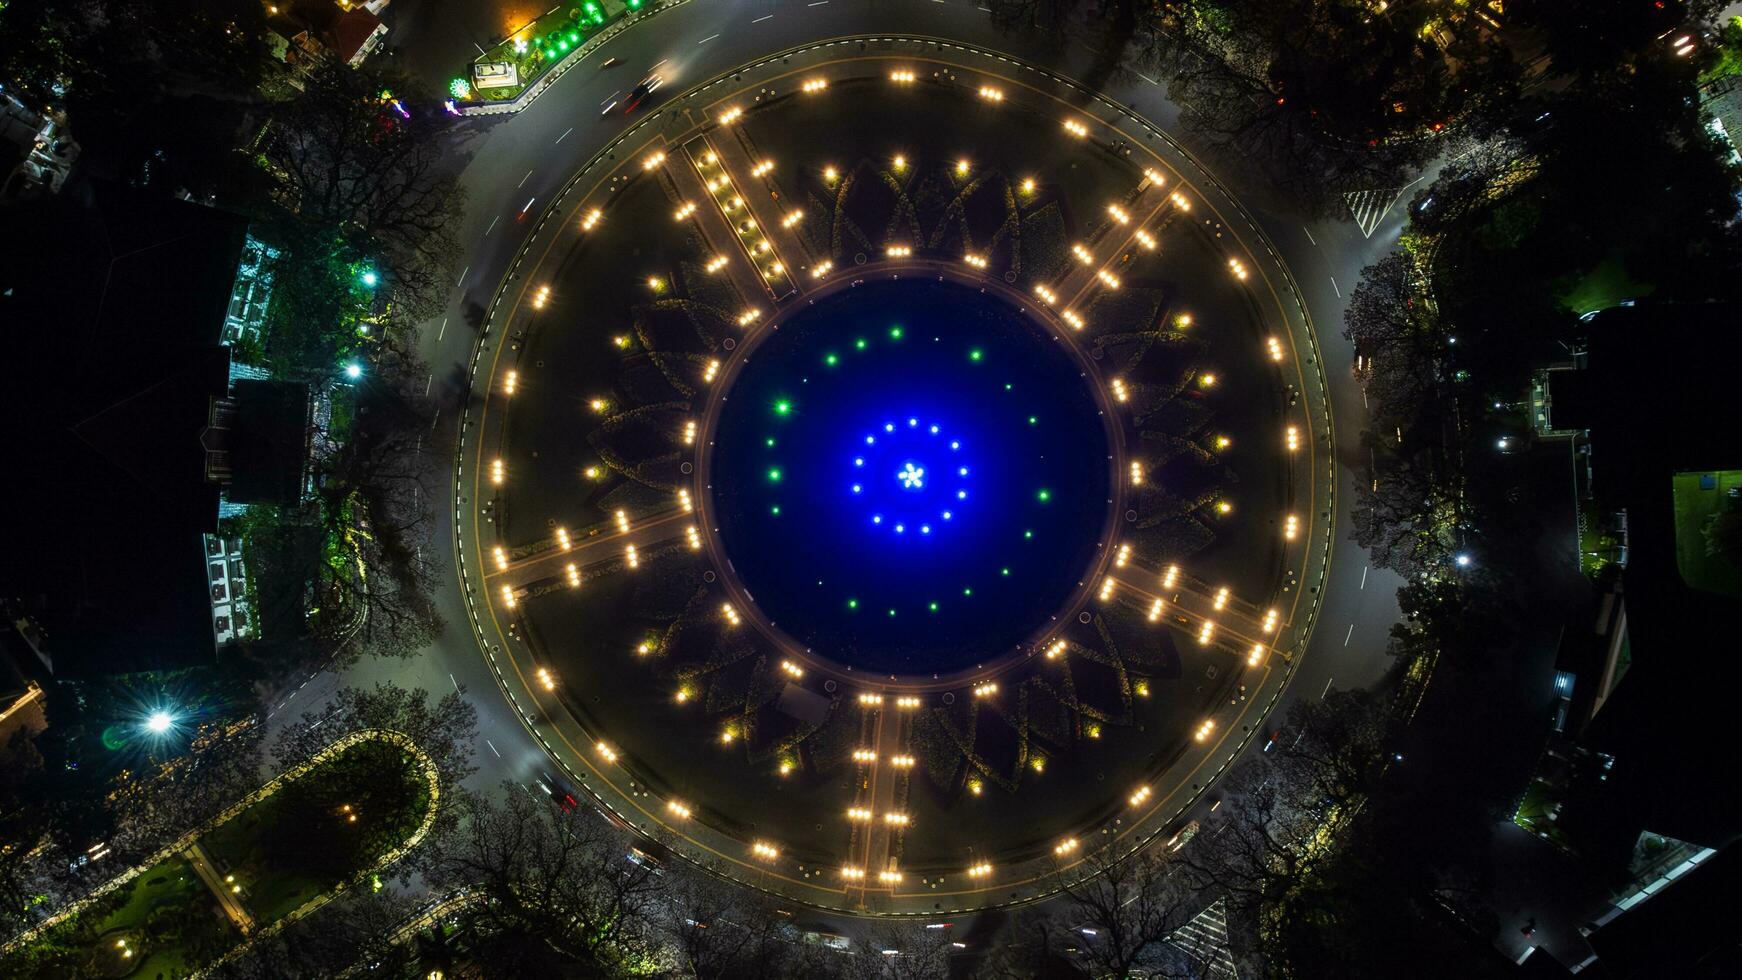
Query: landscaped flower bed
312	834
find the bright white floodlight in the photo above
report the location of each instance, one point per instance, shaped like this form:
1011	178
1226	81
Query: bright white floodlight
159	722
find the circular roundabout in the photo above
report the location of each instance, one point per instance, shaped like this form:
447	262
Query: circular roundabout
891	480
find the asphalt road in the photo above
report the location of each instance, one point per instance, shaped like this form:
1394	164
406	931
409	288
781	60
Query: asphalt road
518	162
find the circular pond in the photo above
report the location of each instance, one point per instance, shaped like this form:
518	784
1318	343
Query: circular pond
910	477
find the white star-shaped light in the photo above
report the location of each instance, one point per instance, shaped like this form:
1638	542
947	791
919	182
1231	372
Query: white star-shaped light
912	477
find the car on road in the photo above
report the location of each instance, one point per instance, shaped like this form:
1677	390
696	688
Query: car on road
1182	835
650	854
639	93
558	790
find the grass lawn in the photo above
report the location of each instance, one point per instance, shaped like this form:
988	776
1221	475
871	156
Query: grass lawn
1605	286
235	846
275	884
165	914
1597	547
172	921
1694	505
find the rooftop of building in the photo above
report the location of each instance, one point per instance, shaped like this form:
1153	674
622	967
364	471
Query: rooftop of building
1658	397
114	301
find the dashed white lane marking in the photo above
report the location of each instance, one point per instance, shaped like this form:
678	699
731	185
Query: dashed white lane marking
565	135
1327	689
1364	576
493	747
1348	635
1336	287
705	40
523	180
492	224
462	278
762	18
1309	235
457	683
443	330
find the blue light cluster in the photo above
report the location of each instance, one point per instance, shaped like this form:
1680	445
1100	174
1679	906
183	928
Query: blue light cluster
909	477
890	476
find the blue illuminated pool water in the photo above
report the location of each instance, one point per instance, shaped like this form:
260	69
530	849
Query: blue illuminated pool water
910	477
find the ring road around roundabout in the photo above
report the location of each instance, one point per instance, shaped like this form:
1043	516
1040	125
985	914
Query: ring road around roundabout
893	474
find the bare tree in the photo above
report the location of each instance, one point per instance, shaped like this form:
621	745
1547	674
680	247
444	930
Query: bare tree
1125	909
351	164
375	589
891	951
1023	947
1259	849
557	892
162	801
360	928
721	930
1342	745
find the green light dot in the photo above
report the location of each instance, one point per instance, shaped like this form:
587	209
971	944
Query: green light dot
1007	387
967	591
775	510
1033	420
771	443
1043	495
894	333
891	612
1028	535
852	603
976	354
1004	571
860	343
934	607
783	407
831	360
774	476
